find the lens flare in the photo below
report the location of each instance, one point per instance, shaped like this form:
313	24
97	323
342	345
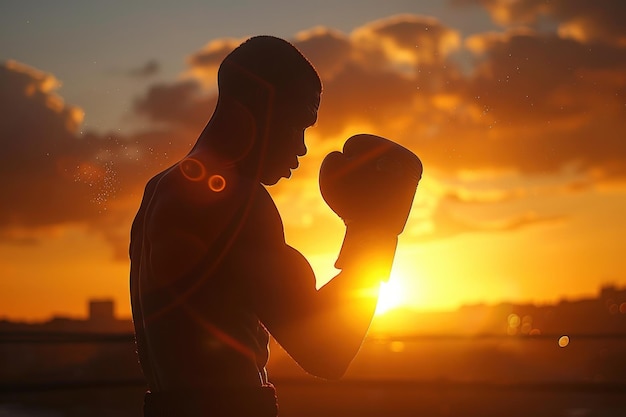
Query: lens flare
192	169
217	183
391	296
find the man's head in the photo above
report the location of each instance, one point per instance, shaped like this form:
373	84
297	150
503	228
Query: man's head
280	91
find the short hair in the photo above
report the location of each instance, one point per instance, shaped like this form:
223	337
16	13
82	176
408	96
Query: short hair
267	63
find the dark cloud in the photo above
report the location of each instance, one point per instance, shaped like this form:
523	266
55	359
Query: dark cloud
587	21
382	71
546	102
411	39
183	104
358	95
205	63
327	49
534	102
50	175
41	158
147	70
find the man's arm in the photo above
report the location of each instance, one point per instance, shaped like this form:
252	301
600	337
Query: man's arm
370	185
335	321
322	330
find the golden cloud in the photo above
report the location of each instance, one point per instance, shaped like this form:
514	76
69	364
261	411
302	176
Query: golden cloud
40	87
407	40
585	21
534	103
205	63
329	50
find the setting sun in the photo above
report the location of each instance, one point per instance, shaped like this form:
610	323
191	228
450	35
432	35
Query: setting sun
391	295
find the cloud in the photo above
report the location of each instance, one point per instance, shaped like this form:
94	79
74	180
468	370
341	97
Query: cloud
205	62
183	104
444	223
329	50
585	21
382	72
535	103
149	69
486	197
408	39
546	101
40	155
52	176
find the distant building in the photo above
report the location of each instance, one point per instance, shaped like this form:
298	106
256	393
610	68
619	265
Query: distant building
101	320
101	312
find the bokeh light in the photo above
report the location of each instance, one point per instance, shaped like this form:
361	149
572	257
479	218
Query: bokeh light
192	169
217	183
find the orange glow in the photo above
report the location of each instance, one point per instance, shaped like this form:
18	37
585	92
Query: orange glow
516	203
217	183
391	295
192	169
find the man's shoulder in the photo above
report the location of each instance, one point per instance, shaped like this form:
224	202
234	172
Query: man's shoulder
212	189
197	195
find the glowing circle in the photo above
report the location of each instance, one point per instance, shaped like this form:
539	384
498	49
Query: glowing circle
192	169
396	346
514	320
217	183
391	296
563	341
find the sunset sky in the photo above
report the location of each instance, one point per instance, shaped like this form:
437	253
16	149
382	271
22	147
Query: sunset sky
517	109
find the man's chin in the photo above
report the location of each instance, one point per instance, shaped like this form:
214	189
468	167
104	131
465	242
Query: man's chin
274	180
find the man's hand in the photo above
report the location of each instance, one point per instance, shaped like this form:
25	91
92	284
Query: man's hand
371	186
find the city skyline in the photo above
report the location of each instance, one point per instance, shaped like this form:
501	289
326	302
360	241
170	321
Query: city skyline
104	311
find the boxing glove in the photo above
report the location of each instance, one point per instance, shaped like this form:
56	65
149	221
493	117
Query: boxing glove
371	186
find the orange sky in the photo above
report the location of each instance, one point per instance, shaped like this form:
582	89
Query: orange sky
521	133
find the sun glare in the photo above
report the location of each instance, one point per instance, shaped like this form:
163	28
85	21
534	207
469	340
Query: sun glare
391	296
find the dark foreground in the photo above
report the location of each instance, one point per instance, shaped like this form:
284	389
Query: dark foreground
311	398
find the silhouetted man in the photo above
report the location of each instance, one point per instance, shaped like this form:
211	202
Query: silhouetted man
211	273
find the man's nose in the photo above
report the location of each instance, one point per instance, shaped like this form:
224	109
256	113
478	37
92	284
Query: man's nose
301	147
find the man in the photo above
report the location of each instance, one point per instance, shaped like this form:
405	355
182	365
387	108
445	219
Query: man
211	273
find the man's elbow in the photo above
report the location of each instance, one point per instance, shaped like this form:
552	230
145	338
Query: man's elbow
326	369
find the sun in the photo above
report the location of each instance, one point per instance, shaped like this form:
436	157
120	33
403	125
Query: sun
392	295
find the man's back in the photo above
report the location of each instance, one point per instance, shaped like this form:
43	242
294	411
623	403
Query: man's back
191	300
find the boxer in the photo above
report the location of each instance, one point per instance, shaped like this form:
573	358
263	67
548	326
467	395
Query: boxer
211	274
